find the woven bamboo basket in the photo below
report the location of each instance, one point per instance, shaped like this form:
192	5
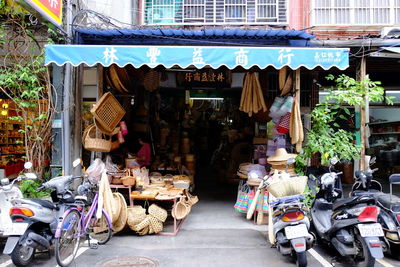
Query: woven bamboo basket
108	112
116	180
136	215
140	226
129	180
151	80
144	231
181	209
158	212
288	186
156	225
95	141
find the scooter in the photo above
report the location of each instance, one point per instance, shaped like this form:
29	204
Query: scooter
290	224
34	221
8	192
348	224
389	215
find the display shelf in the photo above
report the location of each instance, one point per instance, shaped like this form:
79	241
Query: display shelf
385	133
382	122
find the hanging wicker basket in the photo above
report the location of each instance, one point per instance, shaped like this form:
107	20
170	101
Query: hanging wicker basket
108	112
93	140
151	80
136	215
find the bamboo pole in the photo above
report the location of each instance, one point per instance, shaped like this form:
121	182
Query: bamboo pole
363	73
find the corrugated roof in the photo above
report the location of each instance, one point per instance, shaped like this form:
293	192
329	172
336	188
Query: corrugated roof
193	37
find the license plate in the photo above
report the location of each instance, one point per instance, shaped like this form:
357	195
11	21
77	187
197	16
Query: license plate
371	229
16	229
296	231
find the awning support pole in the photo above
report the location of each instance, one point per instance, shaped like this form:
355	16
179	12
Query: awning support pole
363	113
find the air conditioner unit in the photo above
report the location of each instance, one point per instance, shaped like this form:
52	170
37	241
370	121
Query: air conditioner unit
388	32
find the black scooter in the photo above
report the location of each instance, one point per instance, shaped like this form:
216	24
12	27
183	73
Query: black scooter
389	215
348	224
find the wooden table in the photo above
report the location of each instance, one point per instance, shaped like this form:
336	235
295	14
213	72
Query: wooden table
177	223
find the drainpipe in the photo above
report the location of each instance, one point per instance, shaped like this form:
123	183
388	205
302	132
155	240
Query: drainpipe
355	42
66	129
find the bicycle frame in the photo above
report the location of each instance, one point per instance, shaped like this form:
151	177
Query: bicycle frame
84	218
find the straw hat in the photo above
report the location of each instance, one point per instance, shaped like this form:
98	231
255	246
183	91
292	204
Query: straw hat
281	155
123	216
116	208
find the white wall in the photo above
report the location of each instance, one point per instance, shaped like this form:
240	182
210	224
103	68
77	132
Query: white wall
120	9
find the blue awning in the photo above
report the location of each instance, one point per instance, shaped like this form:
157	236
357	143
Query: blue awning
192	37
198	56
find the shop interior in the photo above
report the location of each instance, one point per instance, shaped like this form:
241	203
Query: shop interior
192	119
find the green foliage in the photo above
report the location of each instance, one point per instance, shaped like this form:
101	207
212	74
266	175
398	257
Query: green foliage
325	137
309	196
29	189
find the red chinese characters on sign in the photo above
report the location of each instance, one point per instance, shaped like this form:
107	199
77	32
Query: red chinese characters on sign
49	9
204	78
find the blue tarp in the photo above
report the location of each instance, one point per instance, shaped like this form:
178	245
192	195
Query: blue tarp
198	56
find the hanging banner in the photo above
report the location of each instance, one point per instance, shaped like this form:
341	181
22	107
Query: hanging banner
51	10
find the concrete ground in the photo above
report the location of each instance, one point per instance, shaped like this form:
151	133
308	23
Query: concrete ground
213	234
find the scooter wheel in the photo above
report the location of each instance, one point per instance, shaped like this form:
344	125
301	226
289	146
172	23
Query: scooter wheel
22	255
301	259
364	257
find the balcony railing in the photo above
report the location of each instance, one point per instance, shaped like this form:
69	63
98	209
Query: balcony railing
214	12
355	12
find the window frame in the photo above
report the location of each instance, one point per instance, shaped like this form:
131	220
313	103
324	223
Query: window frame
392	8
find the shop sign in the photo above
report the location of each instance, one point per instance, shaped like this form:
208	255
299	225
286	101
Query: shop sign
205	78
51	10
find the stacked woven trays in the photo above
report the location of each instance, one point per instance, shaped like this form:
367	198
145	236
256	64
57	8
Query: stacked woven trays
142	223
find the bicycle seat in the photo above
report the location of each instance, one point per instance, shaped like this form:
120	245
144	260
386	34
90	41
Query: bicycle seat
82	198
44	203
384	200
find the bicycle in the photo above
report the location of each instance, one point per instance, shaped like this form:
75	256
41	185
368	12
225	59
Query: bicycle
76	223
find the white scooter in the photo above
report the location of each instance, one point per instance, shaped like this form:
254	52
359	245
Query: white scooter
8	192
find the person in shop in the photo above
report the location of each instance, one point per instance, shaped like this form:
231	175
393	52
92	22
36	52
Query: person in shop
144	153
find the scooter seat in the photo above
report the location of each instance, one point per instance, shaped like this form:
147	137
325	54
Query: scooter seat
350	201
44	203
393	205
371	193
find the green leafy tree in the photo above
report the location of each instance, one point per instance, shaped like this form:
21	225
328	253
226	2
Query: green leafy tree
326	138
25	80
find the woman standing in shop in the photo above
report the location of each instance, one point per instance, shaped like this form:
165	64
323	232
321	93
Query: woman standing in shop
144	153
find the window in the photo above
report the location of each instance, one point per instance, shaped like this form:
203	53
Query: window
215	11
356	12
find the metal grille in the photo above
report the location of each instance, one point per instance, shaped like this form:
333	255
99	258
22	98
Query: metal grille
355	12
203	12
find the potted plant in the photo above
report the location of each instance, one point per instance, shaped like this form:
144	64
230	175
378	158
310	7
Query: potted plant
326	137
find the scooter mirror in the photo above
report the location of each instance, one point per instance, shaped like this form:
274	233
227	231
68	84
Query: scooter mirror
5	181
76	162
372	161
334	161
28	165
30	175
290	161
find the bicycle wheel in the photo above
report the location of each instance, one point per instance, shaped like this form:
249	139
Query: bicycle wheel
100	229
68	243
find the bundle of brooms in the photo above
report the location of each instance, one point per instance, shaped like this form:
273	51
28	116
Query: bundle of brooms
252	99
